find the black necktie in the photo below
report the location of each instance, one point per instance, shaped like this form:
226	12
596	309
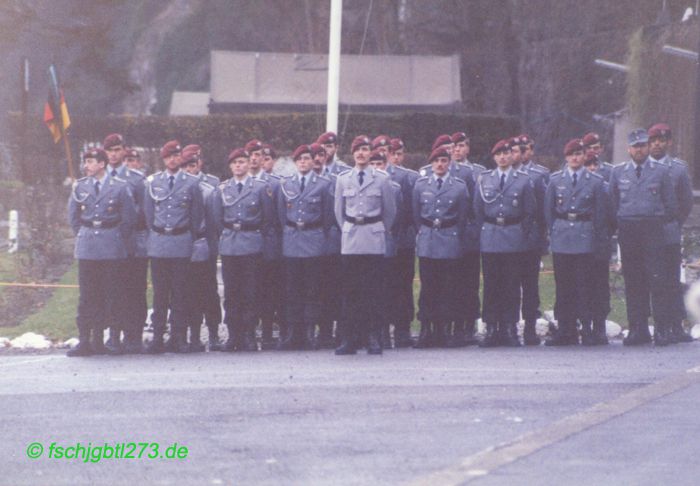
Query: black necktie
361	176
171	182
575	178
303	184
114	172
439	181
97	188
240	187
639	171
503	181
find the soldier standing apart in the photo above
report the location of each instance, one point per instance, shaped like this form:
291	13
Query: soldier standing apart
331	298
440	211
504	207
174	211
305	211
365	210
660	141
642	195
405	260
101	213
242	211
132	312
523	150
269	306
576	219
202	294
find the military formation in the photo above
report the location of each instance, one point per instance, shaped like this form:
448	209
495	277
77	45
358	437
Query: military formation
328	255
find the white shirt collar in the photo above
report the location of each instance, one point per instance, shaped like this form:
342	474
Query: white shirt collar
507	172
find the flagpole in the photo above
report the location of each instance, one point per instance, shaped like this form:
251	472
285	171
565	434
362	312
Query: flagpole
24	80
336	23
69	155
58	96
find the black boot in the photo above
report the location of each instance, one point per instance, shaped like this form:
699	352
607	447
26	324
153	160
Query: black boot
196	345
249	341
458	338
386	336
114	343
565	335
470	333
491	338
662	335
325	336
425	338
233	342
179	338
266	340
441	335
287	341
156	346
638	335
600	336
214	343
402	336
83	347
374	342
98	341
530	337
678	334
309	337
510	337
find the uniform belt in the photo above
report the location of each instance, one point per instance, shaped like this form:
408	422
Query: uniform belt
363	219
301	225
242	226
171	231
573	216
438	223
201	234
503	220
100	224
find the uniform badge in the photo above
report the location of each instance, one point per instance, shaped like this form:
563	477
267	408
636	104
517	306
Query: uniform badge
83	207
269	191
289	205
515	203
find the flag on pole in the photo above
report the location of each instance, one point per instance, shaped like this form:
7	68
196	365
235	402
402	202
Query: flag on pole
56	114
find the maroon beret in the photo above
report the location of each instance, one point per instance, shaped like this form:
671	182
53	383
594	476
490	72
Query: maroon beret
591	138
377	155
170	148
317	148
396	144
525	139
300	150
328	137
191	153
460	137
441	140
381	141
112	140
573	146
132	152
237	154
501	146
438	152
253	145
660	130
96	153
268	150
358	142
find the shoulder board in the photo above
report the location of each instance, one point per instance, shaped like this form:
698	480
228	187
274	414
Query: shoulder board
679	162
405	169
259	182
274	176
595	174
607	164
520	171
323	177
118	179
395	185
556	173
426	167
341	163
422	179
459	180
382	172
206	184
190	175
222	184
660	164
136	172
538	169
479	166
81	180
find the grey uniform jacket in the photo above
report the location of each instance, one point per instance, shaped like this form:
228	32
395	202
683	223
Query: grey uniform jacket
650	196
139	237
205	246
335	167
272	237
441	216
172	211
683	189
576	216
210	179
405	229
334	236
305	217
392	236
540	180
506	216
373	199
242	219
102	223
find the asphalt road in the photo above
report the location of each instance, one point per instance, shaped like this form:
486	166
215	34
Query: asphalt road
525	416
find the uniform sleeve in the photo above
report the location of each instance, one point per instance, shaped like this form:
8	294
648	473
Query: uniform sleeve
197	210
415	206
614	195
669	197
74	210
388	205
478	204
217	212
529	209
400	210
327	207
210	223
463	210
338	207
549	207
270	221
601	239
128	210
281	207
148	206
684	192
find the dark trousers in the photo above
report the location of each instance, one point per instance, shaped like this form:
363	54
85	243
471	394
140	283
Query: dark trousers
331	296
469	271
271	294
599	274
100	295
673	259
212	300
572	280
439	289
362	304
645	273
240	275
530	284
501	287
197	295
169	276
134	279
405	271
303	300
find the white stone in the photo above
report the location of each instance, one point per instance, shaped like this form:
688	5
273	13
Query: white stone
4	342
692	300
30	340
480	327
612	329
695	331
70	343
